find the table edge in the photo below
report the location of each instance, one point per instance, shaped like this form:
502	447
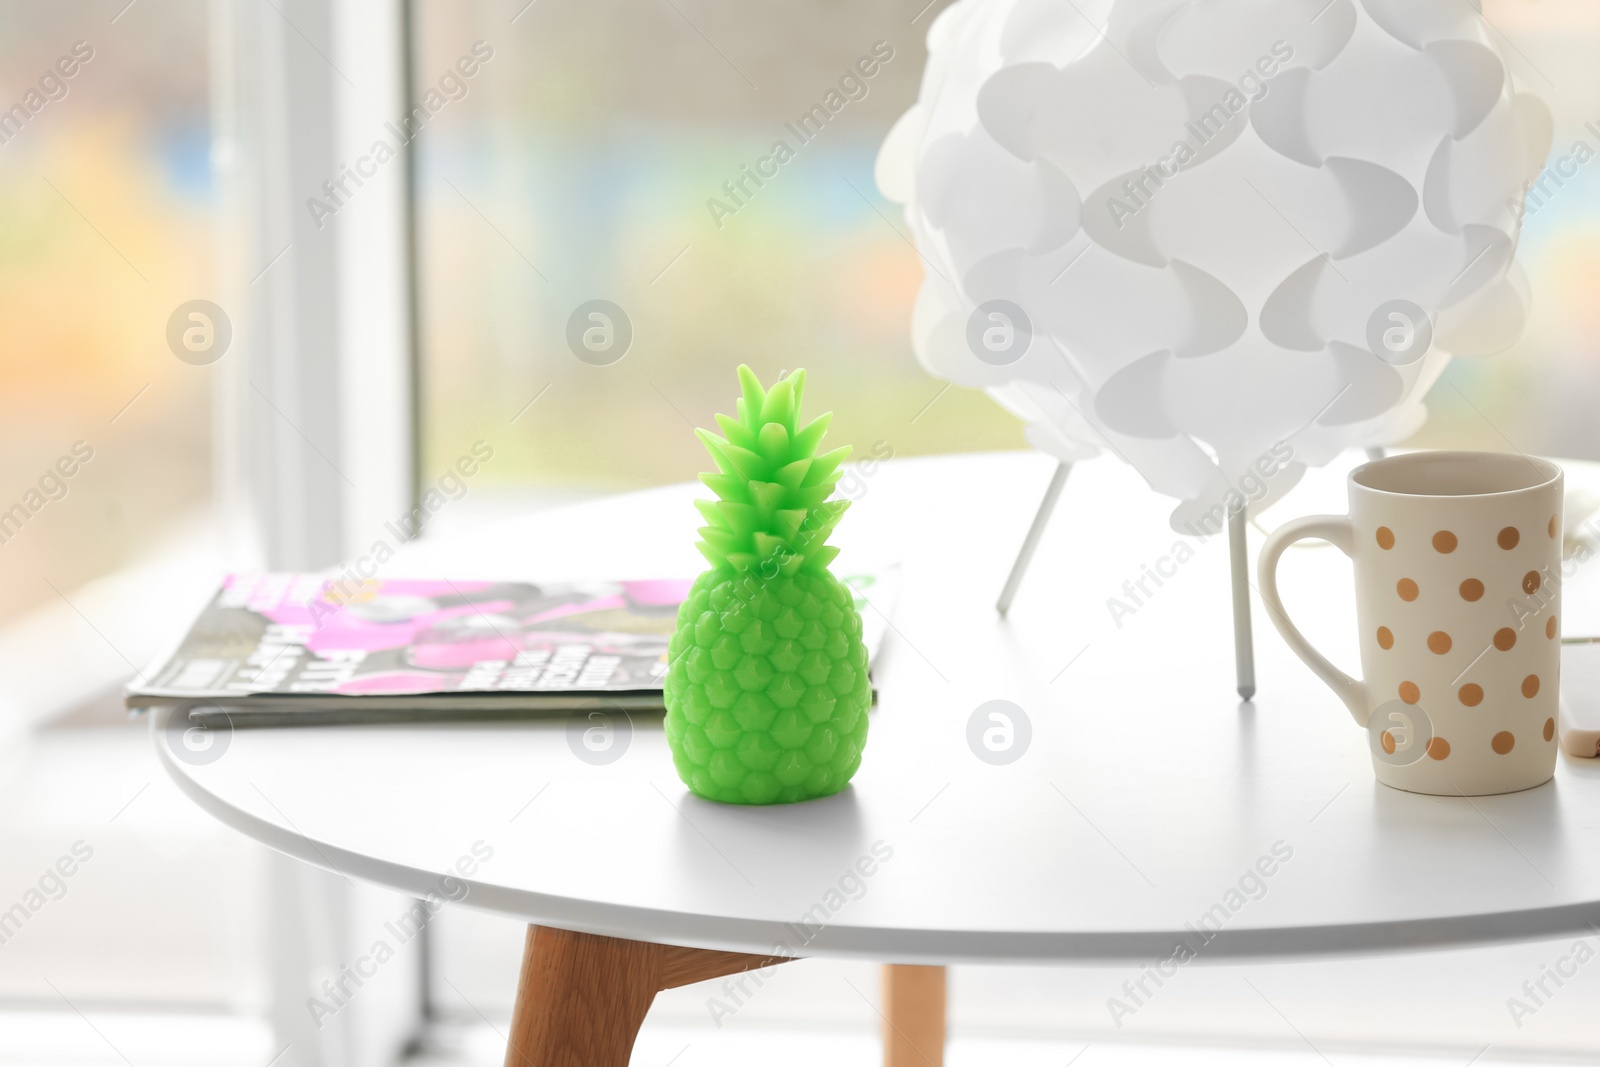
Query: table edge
897	945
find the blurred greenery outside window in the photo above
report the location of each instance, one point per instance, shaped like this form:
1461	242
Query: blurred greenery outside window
579	164
106	226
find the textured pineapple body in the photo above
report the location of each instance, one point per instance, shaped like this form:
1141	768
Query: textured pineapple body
767	690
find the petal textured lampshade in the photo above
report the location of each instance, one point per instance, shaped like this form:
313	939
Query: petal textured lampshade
1223	230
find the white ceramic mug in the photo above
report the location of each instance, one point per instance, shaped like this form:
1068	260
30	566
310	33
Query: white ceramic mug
1457	559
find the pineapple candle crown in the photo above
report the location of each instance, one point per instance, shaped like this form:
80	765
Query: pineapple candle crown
772	514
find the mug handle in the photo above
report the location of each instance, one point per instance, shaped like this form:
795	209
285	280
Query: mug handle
1337	531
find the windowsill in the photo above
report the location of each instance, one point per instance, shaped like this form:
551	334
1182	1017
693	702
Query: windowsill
70	654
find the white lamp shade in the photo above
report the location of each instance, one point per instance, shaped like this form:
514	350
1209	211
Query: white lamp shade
1225	234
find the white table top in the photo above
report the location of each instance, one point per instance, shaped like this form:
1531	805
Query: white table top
1145	796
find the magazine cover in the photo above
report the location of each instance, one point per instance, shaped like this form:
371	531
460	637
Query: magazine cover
297	640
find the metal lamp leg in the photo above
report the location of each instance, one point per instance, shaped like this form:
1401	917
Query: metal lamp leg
1244	653
1239	558
1031	542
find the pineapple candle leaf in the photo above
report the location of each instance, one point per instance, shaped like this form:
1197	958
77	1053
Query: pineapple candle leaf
767	689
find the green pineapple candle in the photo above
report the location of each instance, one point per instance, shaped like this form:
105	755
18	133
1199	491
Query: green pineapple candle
767	689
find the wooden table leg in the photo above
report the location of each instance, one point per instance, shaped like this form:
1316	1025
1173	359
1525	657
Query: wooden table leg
913	1016
581	998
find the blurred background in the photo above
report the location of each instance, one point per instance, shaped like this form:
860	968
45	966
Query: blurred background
593	149
574	164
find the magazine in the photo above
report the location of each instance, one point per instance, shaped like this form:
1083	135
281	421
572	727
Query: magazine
273	648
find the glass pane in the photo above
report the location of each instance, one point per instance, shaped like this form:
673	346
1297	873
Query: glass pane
625	152
105	228
1539	396
613	151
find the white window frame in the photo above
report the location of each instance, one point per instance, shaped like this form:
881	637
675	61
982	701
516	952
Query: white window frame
316	436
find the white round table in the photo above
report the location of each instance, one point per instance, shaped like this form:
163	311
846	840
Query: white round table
1148	809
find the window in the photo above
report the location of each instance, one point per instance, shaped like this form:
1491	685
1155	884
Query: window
105	229
1539	395
587	160
628	153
